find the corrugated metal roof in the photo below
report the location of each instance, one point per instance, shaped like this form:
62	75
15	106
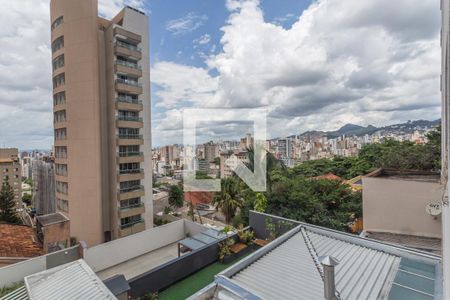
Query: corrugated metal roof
291	270
74	280
278	274
18	294
362	272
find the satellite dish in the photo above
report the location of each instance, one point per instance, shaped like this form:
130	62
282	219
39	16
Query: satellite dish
433	209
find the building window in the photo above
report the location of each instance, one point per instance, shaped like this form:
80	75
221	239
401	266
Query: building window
129	168
128	186
61	169
61	152
58	62
130	203
59	116
62	187
130	221
57	22
59	98
59	80
126	115
132	150
58	44
129	133
62	204
61	134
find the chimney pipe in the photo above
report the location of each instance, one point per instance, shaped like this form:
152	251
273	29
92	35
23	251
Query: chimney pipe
328	263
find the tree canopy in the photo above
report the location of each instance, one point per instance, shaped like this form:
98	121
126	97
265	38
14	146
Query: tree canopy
7	205
175	196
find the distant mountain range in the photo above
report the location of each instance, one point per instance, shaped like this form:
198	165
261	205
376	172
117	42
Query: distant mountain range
352	129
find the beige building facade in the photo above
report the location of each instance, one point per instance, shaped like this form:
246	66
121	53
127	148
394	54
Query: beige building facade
101	91
11	172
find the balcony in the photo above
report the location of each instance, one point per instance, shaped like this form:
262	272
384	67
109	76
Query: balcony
132	192
131	228
129	122
123	103
128	68
130	174
128	86
127	50
130	157
131	210
127	35
130	139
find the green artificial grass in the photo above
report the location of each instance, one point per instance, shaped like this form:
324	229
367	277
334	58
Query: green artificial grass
190	285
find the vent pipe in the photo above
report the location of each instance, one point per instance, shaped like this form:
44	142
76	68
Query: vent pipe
328	263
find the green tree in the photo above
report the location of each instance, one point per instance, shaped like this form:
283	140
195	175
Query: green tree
7	205
228	199
175	196
260	202
326	203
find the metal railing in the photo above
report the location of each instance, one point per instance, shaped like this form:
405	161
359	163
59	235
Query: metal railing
137	205
128	64
129	118
131	189
128	100
123	226
128	46
131	136
131	153
129	82
130	171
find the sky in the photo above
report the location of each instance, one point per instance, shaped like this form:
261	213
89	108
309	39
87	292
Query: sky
312	65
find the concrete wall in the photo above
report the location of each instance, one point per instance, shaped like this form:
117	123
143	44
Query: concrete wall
115	252
398	206
16	272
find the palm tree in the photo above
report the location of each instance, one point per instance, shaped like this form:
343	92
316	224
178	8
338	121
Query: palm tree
228	199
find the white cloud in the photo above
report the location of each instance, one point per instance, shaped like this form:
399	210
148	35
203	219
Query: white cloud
109	8
189	23
202	40
341	61
182	85
26	119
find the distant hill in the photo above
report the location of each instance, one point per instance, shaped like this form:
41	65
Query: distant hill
353	129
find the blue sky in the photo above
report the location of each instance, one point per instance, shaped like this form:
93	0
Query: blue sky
191	32
312	65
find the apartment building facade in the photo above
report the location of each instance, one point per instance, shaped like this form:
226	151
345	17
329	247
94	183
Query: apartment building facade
11	172
101	91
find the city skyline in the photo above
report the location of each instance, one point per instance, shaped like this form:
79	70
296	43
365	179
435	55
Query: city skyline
317	88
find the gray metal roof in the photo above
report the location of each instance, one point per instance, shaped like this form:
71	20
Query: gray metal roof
362	272
18	294
278	275
288	268
71	281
